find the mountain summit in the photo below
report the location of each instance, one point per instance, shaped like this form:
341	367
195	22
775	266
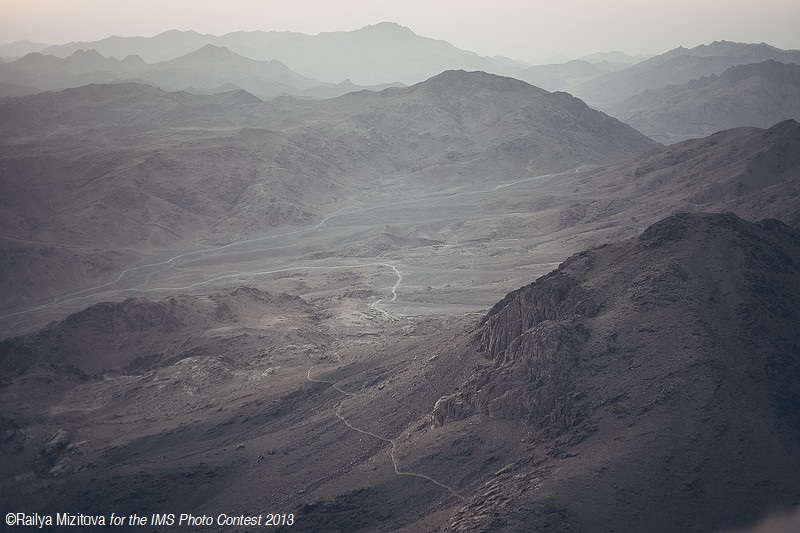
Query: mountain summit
387	28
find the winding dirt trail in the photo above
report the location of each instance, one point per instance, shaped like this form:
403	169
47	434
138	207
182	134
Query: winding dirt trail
374	305
126	281
391	442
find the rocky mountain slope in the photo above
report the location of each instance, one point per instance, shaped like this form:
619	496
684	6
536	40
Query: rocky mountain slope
466	113
117	169
751	171
156	360
658	379
133	333
677	67
649	385
757	94
309	331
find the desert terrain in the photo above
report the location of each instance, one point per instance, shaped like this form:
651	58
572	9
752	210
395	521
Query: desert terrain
462	303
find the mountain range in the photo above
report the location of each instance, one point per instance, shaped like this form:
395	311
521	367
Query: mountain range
130	181
614	60
754	94
342	277
679	94
207	70
677	67
372	55
176	167
268	64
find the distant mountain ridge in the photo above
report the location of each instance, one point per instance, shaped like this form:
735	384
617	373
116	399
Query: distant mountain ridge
162	47
208	69
390	53
613	57
755	94
376	54
47	72
20	48
747	52
379	53
676	67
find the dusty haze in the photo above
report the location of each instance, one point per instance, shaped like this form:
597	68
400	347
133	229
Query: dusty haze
529	31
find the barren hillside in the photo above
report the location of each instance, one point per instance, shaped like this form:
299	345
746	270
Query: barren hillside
122	170
657	379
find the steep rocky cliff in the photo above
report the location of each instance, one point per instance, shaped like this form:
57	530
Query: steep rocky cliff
531	338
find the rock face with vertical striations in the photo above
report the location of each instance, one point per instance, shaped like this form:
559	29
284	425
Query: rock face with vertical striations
530	338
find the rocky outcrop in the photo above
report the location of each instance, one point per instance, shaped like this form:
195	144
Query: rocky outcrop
532	339
111	335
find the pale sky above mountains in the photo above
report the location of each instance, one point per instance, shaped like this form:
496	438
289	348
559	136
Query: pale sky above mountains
529	30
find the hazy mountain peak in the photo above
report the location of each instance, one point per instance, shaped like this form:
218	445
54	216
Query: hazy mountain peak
31	57
212	51
86	54
676	67
348	84
211	54
724	49
386	28
20	48
784	73
176	33
133	58
732	45
238	96
471	81
615	56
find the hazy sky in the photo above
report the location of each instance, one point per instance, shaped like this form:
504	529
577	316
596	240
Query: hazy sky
529	30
